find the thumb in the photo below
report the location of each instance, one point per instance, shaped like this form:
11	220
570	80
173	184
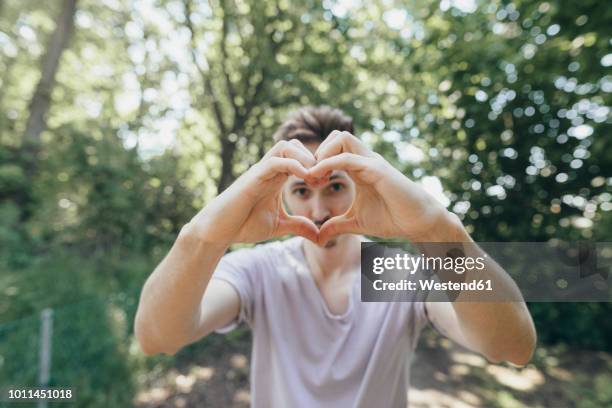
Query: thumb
340	224
298	225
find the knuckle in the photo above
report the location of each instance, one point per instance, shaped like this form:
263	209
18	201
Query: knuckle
280	145
346	136
274	161
352	139
334	134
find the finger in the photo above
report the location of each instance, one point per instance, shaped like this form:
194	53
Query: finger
276	148
292	150
341	224
300	146
329	139
298	225
344	161
297	143
340	143
280	165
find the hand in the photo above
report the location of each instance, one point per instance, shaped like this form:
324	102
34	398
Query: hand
251	209
387	204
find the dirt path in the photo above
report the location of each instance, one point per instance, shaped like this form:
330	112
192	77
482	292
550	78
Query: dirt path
442	375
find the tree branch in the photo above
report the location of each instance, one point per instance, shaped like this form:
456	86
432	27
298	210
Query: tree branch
41	99
230	87
208	88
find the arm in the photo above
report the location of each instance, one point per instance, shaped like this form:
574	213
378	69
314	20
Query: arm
390	205
446	320
180	302
171	311
501	331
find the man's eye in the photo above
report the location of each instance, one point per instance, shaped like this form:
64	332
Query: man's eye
301	191
337	187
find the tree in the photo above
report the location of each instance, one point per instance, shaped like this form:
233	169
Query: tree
41	99
261	57
39	104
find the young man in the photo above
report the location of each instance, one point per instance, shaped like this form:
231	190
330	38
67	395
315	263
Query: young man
315	344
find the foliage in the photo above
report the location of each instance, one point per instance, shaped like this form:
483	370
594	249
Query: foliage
500	108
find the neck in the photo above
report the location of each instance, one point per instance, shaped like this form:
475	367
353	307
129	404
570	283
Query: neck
338	258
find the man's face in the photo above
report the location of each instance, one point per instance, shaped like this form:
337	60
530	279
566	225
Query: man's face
322	202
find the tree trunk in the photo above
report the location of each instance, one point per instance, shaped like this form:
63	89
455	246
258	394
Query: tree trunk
39	104
227	161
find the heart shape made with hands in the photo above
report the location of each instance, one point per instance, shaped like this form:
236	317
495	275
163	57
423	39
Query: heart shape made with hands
339	151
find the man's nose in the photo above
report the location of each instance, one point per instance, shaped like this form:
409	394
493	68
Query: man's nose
320	212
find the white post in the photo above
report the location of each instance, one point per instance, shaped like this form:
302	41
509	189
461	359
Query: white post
44	367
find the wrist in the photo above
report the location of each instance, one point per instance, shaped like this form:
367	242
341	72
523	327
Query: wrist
446	227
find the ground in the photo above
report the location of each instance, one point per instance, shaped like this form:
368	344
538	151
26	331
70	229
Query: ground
443	374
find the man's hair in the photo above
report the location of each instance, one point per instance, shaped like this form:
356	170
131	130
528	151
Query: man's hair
313	124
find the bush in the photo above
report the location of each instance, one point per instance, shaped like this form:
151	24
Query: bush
583	325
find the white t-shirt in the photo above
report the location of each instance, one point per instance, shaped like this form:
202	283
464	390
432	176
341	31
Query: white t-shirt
305	356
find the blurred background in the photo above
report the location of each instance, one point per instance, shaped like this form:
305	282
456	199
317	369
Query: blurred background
120	119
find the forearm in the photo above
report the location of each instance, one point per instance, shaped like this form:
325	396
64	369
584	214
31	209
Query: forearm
500	330
169	308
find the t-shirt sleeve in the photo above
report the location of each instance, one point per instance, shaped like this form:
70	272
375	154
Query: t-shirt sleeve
240	268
